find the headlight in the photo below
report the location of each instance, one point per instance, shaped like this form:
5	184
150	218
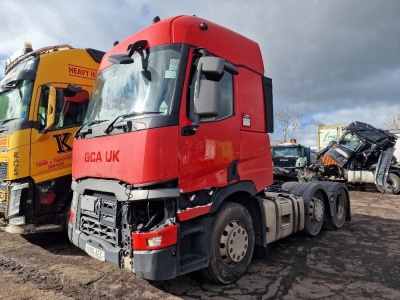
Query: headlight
15	199
154	241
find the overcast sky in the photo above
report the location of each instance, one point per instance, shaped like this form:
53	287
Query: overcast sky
338	61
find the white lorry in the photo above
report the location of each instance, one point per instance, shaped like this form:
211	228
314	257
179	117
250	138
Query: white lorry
327	133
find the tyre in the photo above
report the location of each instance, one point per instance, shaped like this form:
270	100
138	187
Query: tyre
393	182
67	211
340	208
314	213
231	245
314	195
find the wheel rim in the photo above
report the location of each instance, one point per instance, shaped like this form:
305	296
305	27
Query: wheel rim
234	243
391	184
339	206
316	209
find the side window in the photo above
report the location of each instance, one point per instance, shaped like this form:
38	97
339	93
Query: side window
73	110
70	108
226	105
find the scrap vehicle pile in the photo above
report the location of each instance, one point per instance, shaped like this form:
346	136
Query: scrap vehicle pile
363	154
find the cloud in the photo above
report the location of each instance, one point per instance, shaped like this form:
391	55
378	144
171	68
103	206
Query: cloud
330	58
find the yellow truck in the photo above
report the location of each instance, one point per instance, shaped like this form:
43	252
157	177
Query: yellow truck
43	101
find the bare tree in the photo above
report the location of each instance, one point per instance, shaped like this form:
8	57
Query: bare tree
289	119
393	120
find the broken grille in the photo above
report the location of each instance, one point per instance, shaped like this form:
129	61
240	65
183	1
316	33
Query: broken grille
108	212
107	209
95	228
3	170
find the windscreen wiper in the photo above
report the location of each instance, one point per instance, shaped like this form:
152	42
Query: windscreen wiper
8	86
95	122
82	131
110	127
2	122
10	119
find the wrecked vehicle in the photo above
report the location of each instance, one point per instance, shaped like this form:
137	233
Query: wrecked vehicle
363	154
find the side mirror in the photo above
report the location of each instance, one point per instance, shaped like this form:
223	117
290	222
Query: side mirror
207	93
51	108
206	102
120	59
72	89
211	65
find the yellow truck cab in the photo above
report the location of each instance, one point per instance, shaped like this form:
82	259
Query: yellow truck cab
43	101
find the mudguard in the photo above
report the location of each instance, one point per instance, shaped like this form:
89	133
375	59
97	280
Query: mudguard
307	190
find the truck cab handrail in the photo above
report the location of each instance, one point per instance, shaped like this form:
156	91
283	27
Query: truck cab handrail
8	66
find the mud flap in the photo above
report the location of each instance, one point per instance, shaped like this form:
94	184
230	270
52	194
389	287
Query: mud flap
383	166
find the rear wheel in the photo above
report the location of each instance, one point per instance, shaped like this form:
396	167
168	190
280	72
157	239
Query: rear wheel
393	182
232	244
315	212
340	207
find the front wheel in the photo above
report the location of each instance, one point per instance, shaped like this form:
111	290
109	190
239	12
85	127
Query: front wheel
393	182
232	244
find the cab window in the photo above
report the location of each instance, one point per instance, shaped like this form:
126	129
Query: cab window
70	108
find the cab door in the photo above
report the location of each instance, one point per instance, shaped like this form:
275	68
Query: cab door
51	148
208	155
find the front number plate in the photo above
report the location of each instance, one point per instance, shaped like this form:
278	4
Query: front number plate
96	253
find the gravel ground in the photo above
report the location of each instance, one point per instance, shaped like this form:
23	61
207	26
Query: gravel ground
359	261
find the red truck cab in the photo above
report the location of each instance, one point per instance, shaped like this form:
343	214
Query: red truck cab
163	111
174	153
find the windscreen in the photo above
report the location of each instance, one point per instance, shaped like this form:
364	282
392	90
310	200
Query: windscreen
350	141
285	152
16	91
145	86
14	101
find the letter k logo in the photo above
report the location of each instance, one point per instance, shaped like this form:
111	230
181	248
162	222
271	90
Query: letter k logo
62	142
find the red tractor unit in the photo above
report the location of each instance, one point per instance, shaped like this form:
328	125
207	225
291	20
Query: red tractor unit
172	168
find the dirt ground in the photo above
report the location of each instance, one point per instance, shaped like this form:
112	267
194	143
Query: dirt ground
359	261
